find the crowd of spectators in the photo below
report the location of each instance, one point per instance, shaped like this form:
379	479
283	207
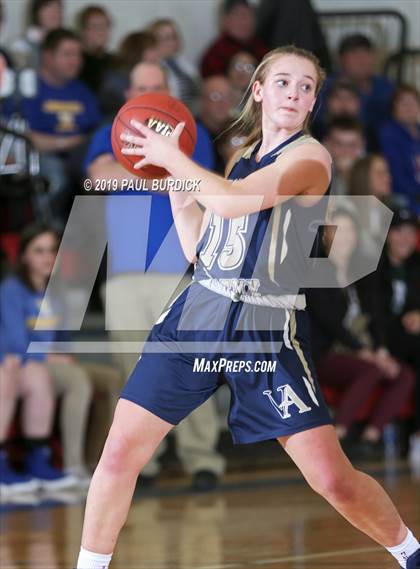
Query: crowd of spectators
365	347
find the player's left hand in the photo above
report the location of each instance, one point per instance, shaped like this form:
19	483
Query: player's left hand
154	148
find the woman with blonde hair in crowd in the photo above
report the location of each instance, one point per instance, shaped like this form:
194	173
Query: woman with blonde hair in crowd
183	77
134	48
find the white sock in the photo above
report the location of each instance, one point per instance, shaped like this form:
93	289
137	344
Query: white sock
403	551
89	560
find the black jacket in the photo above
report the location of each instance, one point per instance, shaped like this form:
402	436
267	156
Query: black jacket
327	308
382	283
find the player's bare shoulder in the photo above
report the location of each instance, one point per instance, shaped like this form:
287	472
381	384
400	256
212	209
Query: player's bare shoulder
306	149
316	151
305	166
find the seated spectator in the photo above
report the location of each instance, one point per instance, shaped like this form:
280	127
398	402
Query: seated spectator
94	24
21	297
370	176
44	16
237	34
296	23
400	144
182	76
240	70
216	111
60	116
347	344
357	63
134	48
345	141
25	375
397	282
342	99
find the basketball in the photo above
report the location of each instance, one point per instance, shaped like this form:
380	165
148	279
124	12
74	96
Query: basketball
161	113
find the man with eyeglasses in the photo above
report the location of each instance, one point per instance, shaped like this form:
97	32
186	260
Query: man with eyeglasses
216	110
346	142
240	71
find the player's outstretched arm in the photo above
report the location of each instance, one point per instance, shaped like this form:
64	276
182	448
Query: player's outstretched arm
305	171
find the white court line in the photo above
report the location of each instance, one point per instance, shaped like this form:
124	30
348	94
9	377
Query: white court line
223	566
308	557
324	555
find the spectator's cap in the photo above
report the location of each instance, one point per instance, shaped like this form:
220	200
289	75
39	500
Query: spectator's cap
229	5
354	41
404	216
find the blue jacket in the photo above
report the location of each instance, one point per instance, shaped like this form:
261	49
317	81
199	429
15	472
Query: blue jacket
19	310
138	222
402	152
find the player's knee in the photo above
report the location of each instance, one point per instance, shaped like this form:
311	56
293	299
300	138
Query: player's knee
120	454
333	486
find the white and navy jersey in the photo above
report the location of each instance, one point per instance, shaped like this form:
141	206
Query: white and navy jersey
262	258
253	312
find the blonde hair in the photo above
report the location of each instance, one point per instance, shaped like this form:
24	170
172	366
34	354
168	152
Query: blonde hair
249	121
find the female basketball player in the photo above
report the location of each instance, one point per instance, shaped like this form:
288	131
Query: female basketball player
247	294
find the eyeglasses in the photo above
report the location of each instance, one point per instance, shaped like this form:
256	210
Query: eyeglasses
43	250
98	26
244	67
217	97
167	37
237	141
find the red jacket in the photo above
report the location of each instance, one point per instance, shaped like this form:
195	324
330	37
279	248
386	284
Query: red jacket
216	59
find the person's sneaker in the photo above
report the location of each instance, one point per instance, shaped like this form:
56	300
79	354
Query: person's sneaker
38	465
204	481
413	562
82	475
368	450
12	482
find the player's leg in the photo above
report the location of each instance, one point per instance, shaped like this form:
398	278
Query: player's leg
133	437
355	495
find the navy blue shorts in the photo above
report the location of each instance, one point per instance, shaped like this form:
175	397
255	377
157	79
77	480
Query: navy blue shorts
274	391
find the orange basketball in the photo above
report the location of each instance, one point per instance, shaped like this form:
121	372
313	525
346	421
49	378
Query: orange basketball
161	113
